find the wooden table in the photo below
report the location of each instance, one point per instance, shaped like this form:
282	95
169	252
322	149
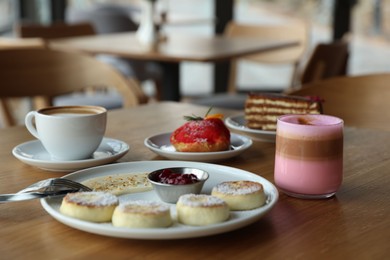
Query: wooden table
18	43
354	224
172	51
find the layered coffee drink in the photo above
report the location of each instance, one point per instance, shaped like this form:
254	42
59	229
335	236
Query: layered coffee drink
309	155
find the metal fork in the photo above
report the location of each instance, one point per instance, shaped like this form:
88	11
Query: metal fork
32	195
70	184
54	184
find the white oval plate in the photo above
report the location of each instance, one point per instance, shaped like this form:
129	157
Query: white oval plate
238	124
33	153
161	145
217	174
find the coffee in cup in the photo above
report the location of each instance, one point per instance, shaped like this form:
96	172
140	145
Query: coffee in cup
68	132
309	155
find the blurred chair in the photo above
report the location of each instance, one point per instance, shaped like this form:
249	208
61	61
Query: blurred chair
327	60
50	73
114	18
286	56
27	31
54	31
361	101
63	30
104	17
130	69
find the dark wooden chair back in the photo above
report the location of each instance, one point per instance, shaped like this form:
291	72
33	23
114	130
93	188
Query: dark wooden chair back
49	73
326	61
361	101
54	31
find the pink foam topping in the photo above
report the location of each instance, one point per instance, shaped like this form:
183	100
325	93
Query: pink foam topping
313	120
310	125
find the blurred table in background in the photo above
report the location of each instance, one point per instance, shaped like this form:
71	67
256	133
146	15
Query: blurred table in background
16	43
171	52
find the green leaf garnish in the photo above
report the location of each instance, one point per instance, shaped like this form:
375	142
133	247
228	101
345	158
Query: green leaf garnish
195	117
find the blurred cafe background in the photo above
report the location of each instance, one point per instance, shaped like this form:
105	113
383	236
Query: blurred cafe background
365	23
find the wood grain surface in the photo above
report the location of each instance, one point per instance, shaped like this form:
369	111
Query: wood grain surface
352	225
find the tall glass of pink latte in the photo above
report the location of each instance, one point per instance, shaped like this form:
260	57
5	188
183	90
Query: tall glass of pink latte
309	155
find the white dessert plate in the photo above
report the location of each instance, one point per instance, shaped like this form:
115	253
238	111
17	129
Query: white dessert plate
218	174
33	153
161	145
238	124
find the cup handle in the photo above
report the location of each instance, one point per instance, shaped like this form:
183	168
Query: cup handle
28	121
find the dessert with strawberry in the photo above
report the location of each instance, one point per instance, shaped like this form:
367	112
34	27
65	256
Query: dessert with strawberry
202	134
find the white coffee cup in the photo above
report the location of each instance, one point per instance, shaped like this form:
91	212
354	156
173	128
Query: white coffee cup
68	132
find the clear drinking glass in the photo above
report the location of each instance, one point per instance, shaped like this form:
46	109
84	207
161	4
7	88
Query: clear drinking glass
309	155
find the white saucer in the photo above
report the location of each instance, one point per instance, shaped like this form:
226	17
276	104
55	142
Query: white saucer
238	124
33	153
161	145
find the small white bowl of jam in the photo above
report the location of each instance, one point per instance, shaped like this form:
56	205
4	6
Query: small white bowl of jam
171	183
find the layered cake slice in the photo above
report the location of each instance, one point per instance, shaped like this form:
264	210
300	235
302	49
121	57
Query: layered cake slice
262	109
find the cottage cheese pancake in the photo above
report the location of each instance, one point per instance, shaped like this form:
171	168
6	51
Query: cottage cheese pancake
240	195
89	206
142	214
120	183
201	210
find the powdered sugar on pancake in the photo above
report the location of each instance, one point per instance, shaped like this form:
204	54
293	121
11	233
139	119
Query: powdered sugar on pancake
92	199
238	187
144	207
200	200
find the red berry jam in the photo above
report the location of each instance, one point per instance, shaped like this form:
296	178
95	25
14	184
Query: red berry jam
169	177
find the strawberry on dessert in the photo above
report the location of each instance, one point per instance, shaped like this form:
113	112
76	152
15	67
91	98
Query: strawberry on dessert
208	134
